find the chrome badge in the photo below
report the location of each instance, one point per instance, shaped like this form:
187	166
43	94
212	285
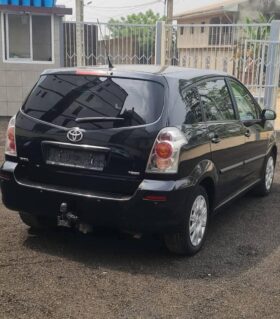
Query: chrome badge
75	135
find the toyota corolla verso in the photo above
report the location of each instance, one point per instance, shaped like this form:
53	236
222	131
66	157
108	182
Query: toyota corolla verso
141	149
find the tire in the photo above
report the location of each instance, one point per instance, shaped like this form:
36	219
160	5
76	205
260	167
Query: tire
187	242
36	222
264	187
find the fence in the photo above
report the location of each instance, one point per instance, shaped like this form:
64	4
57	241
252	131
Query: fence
241	50
125	43
250	52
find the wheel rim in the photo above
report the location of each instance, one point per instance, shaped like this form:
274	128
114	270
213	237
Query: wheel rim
269	173
198	220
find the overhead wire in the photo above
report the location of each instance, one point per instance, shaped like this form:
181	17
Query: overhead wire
103	11
124	7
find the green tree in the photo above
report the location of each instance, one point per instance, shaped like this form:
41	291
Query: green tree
140	29
148	17
250	68
261	32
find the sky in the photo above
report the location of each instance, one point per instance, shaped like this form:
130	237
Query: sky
106	9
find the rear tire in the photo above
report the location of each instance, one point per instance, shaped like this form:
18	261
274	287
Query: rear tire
36	222
190	240
264	187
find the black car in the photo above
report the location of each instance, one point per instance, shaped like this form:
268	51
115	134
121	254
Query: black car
139	148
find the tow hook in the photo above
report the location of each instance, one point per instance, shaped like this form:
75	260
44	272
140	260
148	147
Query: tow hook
70	220
66	218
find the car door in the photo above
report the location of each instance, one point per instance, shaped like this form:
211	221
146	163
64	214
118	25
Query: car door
226	134
256	140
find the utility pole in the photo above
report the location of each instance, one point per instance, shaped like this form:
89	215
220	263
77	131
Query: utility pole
80	32
169	11
169	29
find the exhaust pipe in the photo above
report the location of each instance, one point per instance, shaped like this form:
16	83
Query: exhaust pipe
85	228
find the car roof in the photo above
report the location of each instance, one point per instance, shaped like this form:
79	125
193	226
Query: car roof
143	71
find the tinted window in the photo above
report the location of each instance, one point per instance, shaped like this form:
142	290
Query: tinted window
60	99
245	104
187	107
216	100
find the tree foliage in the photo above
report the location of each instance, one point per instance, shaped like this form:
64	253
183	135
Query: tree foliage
139	28
148	17
261	32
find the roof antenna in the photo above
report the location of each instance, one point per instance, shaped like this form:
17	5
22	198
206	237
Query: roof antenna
105	47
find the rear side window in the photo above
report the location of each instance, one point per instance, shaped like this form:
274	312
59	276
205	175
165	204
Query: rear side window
187	107
216	101
245	104
61	99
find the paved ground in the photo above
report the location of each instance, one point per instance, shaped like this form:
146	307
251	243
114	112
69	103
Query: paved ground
65	275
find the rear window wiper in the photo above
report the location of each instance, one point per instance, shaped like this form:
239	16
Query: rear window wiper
98	119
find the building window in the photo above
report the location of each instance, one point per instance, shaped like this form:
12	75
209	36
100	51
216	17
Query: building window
192	29
42	38
215	32
202	27
18	37
28	37
220	35
181	30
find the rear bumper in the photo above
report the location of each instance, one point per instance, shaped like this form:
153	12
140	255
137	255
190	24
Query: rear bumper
133	213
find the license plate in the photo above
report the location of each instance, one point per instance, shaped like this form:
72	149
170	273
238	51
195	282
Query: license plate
78	158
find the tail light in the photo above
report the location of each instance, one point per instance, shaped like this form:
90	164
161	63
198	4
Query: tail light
164	157
10	148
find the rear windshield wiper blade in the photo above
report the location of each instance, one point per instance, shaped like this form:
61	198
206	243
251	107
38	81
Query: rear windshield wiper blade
98	119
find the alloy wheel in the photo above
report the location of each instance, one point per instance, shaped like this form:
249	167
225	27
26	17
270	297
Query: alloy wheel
269	173
198	220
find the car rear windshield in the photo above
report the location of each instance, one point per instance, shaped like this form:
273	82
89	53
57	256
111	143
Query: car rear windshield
63	99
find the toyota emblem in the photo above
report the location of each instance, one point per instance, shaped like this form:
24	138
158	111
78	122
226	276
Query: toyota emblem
75	135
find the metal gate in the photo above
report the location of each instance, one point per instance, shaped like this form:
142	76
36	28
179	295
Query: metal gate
124	43
249	52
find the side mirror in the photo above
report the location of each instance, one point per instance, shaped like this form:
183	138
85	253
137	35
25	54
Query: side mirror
268	115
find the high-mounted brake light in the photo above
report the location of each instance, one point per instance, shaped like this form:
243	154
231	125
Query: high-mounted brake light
164	157
10	147
91	72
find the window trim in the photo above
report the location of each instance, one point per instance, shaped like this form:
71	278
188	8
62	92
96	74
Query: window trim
5	41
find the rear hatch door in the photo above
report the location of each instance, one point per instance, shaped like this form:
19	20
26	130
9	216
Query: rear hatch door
89	131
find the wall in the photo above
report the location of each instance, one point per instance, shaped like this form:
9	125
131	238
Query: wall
189	40
17	79
199	39
210	49
123	50
220	60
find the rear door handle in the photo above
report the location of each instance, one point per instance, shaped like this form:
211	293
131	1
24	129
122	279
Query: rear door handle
248	133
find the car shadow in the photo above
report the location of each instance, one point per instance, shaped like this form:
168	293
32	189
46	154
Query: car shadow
239	237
